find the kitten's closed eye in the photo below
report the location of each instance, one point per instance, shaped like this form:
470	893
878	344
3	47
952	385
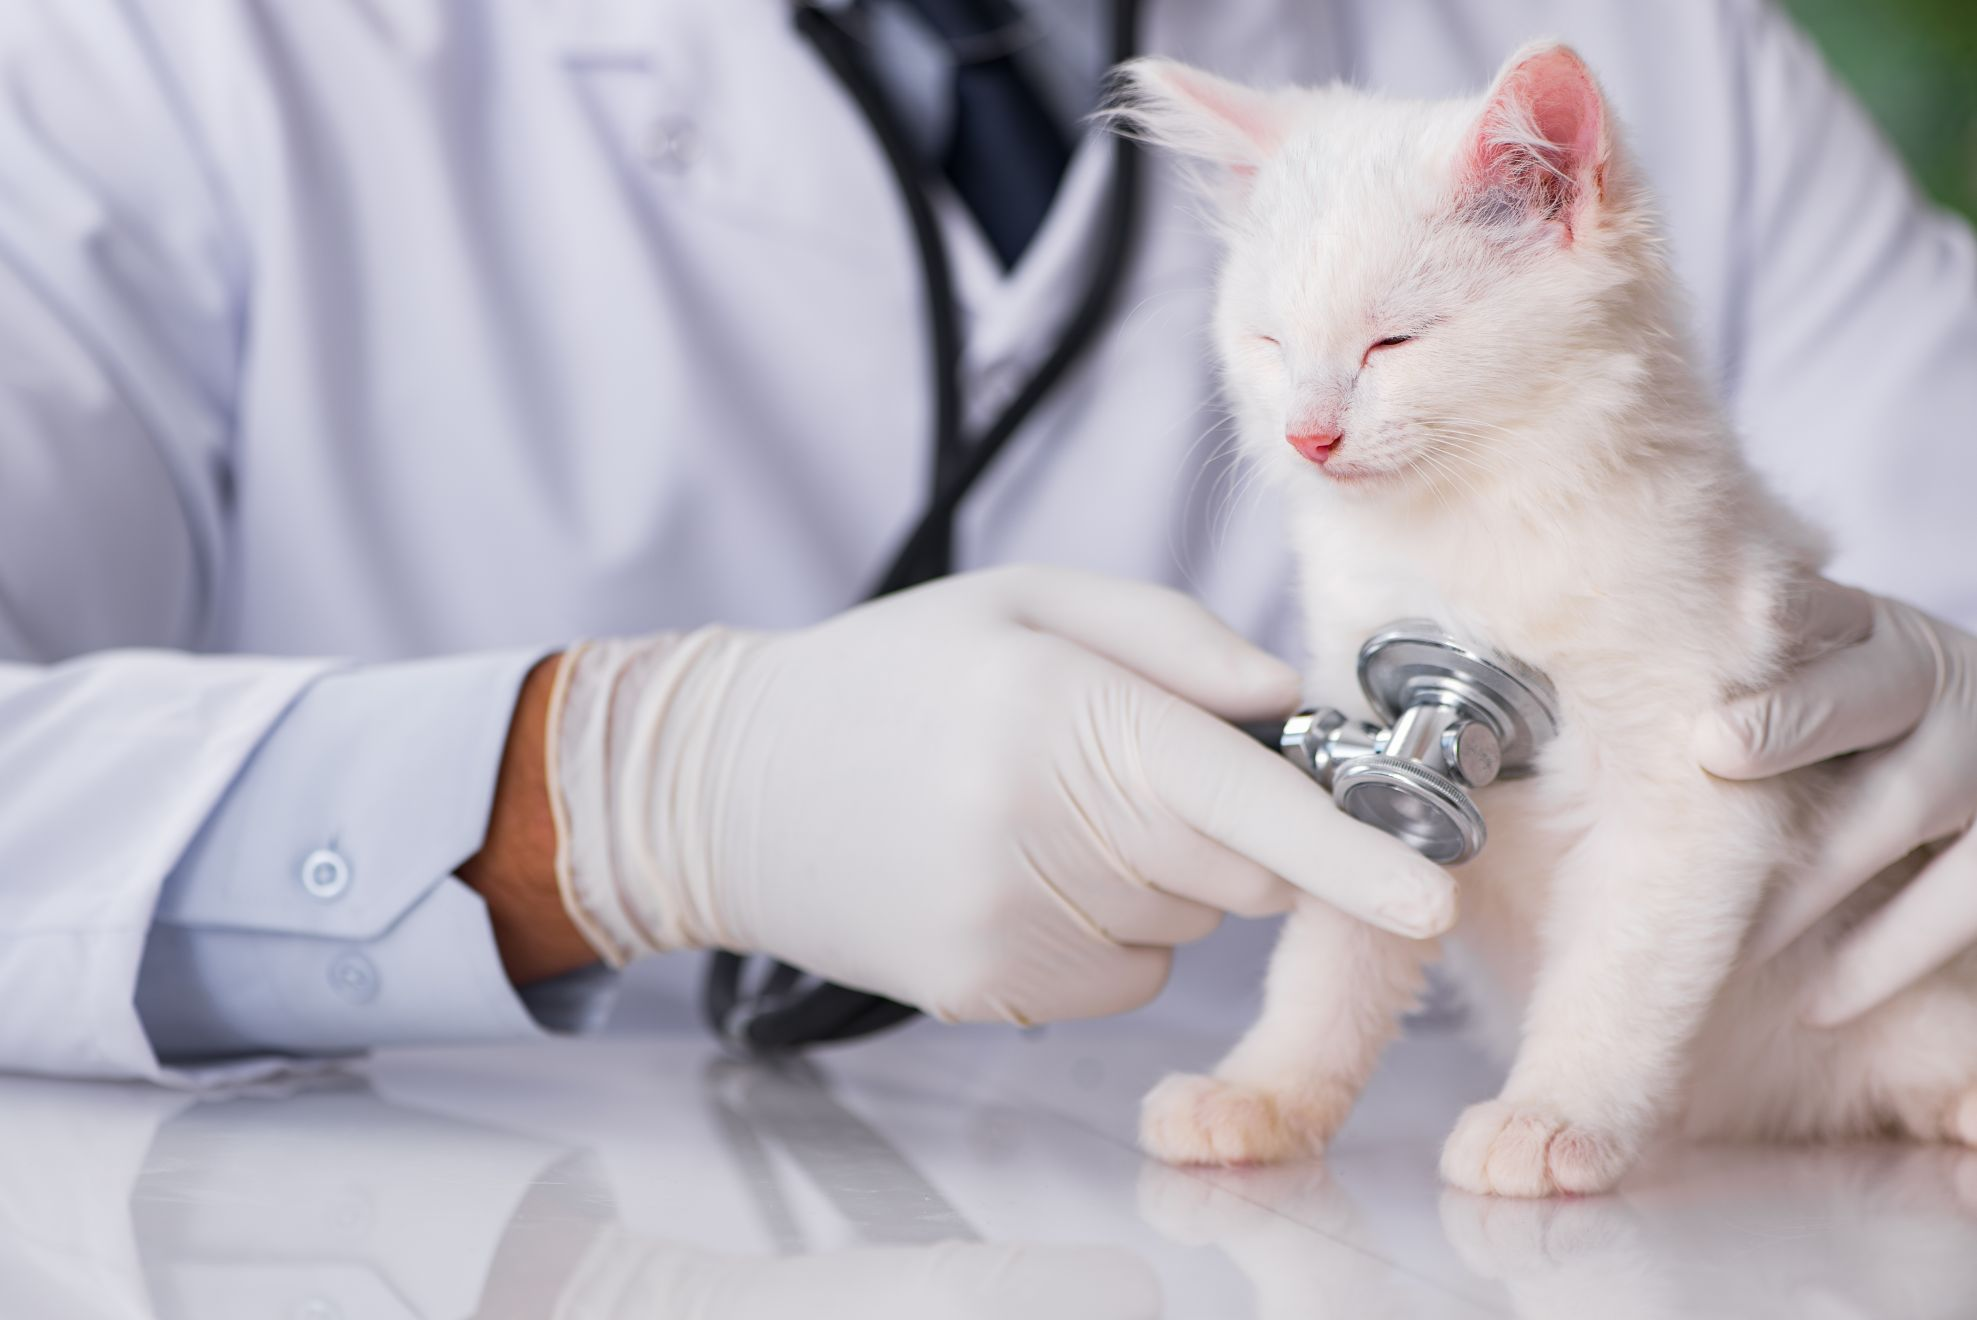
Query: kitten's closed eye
1391	341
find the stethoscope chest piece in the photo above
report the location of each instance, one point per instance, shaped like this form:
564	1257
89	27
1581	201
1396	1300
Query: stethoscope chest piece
1455	720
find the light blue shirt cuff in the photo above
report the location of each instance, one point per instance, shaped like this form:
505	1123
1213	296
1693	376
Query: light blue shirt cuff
316	912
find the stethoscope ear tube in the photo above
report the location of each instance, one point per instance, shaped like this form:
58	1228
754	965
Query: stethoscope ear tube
927	552
787	1009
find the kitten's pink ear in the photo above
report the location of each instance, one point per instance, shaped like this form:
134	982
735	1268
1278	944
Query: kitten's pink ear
1230	127
1542	147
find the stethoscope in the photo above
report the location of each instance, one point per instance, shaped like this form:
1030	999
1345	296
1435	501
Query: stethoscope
759	1006
1456	718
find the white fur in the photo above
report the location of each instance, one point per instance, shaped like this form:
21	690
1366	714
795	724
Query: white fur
1544	470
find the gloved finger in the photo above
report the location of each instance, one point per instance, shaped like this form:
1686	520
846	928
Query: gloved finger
1176	859
1888	806
1826	616
1049	973
1132	910
1223	880
1858	697
1111	979
1258	805
1128	876
1930	921
1161	635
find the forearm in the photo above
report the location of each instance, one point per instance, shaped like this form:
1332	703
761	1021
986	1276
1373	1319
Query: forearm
515	870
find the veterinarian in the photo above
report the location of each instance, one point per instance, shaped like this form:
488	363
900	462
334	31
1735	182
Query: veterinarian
359	359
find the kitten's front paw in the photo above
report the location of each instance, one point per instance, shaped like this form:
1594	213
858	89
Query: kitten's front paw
1190	1119
1508	1149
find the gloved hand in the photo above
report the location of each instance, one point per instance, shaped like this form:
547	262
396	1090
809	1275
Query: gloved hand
1901	688
1000	796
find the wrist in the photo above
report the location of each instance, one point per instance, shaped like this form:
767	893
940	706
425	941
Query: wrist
641	745
515	869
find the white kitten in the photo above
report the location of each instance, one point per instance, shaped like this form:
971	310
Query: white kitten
1460	317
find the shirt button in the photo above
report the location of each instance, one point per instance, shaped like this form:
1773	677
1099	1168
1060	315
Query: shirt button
353	978
325	874
672	144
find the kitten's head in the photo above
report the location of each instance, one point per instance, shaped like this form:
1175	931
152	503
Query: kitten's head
1408	285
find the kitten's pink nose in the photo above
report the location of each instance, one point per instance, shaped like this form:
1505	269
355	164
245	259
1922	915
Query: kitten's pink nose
1315	445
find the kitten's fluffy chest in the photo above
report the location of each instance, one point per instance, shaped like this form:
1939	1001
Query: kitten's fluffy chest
1645	601
1501	591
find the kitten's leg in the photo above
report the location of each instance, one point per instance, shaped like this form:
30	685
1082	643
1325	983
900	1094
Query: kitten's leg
1335	993
1646	915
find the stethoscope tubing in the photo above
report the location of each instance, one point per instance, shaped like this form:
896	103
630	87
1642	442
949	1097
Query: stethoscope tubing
789	1010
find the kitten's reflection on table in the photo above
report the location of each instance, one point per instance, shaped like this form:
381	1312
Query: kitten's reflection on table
1842	1233
1291	1229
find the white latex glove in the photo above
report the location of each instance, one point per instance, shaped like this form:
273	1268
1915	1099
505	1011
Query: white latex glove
1899	687
1000	796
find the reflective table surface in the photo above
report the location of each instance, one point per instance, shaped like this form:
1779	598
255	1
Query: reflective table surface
936	1172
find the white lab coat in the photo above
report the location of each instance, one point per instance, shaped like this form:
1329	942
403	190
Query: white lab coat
344	333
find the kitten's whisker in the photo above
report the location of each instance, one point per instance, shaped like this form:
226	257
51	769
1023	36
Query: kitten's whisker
1473	428
1156	296
1217	462
1466	421
1227	501
1443	467
1249	482
1487	436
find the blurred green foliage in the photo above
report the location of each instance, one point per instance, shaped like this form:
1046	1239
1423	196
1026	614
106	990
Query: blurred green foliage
1914	64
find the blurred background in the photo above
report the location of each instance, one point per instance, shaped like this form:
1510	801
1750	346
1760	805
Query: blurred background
1914	62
